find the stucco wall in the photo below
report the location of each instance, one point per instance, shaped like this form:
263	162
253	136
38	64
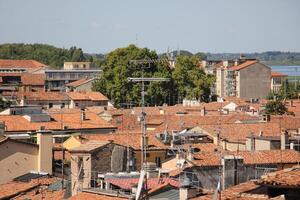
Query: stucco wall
17	159
254	81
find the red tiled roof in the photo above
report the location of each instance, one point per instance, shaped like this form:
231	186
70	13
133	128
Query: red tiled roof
14	188
131	138
42	96
289	177
277	74
79	82
237	192
250	158
33	79
243	65
94	96
93	196
270	157
238	132
152	182
71	119
21	64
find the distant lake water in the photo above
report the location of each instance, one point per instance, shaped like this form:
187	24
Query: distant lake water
288	70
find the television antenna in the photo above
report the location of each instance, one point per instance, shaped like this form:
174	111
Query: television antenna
144	138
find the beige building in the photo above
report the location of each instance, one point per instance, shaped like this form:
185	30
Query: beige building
18	158
246	79
84	84
277	79
76	65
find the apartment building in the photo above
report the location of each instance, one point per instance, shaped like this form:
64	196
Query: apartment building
247	78
277	79
56	80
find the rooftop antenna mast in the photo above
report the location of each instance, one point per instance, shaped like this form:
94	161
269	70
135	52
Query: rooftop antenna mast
144	140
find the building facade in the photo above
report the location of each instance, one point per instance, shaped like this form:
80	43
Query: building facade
248	79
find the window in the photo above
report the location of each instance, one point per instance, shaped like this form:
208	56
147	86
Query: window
147	155
62	105
158	161
80	169
50	105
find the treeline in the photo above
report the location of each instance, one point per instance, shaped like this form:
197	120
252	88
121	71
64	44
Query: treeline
47	54
269	57
187	80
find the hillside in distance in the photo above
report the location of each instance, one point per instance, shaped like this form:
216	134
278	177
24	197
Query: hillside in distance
55	57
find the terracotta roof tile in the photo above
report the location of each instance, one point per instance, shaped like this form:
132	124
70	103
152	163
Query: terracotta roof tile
92	196
33	79
14	188
94	96
42	96
238	132
250	158
21	64
237	192
277	74
133	139
71	119
243	65
289	177
89	146
79	82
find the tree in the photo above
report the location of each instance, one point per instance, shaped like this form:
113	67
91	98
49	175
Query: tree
78	55
190	80
276	108
47	54
117	68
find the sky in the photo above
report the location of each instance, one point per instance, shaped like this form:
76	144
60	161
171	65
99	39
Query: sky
98	26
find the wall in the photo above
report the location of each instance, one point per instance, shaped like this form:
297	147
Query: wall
76	65
17	159
45	104
84	87
80	171
44	140
262	144
87	103
151	158
110	158
233	146
220	82
71	142
254	81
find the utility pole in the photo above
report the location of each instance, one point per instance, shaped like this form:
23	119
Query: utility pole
144	138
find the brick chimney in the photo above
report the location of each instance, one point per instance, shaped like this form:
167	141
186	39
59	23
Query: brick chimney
44	140
284	139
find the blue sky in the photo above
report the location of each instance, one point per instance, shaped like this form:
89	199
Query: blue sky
99	26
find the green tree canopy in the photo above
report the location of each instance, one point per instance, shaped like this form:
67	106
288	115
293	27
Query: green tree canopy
276	107
47	54
186	80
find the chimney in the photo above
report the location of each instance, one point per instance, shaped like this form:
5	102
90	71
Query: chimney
203	111
2	129
187	193
252	142
217	139
190	156
284	139
44	140
161	111
292	146
83	117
